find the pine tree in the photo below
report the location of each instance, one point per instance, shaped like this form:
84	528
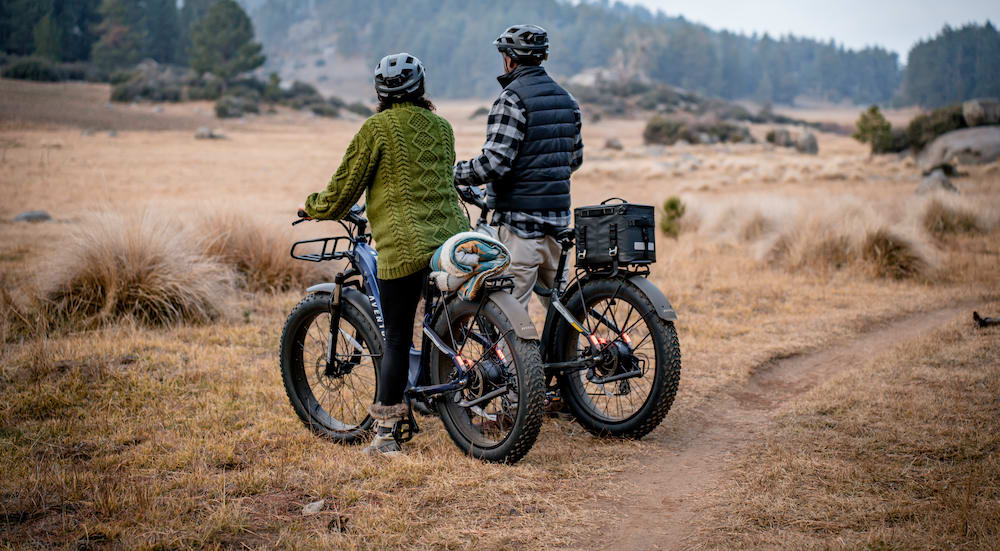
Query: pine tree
122	35
48	38
190	14
223	42
162	28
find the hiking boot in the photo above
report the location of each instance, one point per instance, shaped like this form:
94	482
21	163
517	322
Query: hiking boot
384	442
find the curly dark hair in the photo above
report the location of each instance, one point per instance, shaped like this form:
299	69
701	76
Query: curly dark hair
416	98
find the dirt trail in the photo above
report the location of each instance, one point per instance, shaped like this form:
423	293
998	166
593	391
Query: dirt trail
670	480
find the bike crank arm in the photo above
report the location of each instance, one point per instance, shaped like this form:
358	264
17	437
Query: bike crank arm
428	391
566	367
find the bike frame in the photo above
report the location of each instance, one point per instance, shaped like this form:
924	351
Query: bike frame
361	275
599	351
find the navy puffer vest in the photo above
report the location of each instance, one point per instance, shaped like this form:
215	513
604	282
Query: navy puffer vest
539	179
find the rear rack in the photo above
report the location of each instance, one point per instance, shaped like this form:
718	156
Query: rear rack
497	283
329	251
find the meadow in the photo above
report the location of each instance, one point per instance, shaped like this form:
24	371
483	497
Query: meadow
834	391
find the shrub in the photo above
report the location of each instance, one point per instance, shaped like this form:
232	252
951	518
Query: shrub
874	129
121	77
663	130
33	68
923	129
230	107
360	109
301	89
205	90
258	253
480	111
673	211
139	268
338	102
669	130
324	110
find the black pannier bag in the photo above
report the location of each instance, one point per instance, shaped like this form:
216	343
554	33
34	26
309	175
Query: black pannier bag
621	232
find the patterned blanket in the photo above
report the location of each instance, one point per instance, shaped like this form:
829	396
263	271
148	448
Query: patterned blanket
465	261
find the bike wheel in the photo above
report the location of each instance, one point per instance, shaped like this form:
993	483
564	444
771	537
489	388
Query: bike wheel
625	323
332	400
502	428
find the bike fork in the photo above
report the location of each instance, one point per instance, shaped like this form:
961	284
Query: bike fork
331	347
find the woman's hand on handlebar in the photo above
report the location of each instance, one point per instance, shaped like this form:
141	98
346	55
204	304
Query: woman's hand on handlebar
303	216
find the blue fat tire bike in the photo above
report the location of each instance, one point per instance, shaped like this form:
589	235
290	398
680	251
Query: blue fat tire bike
479	364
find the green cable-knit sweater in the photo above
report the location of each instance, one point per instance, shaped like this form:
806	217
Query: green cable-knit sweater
403	157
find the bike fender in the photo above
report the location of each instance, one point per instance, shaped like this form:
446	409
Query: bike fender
358	299
519	318
656	297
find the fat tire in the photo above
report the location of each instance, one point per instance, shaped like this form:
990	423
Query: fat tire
531	383
666	372
292	366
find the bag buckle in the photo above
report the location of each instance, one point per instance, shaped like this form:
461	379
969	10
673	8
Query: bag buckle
613	251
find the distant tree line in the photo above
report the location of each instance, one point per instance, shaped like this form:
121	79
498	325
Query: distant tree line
208	35
956	65
453	37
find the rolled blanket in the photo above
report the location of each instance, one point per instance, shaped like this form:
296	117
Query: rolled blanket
465	261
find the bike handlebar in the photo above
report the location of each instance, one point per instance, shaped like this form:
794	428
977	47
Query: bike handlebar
354	216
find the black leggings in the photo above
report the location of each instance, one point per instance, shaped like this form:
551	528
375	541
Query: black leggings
399	305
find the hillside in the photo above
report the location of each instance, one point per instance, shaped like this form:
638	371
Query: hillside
336	42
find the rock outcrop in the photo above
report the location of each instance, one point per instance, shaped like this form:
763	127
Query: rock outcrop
978	145
981	112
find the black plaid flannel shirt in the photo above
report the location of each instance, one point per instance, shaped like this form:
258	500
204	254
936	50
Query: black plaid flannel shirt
504	132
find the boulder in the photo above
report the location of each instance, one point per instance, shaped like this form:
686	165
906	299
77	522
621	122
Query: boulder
806	143
934	182
614	143
978	145
981	112
780	137
33	216
206	133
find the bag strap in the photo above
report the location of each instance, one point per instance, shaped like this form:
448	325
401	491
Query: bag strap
613	244
581	243
606	201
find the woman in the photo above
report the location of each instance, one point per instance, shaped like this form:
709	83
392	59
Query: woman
402	158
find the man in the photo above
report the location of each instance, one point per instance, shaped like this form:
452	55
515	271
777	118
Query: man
533	144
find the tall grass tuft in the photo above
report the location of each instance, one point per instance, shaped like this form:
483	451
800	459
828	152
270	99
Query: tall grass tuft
943	215
829	235
894	255
257	252
137	267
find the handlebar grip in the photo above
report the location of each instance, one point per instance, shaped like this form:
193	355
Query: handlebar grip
302	214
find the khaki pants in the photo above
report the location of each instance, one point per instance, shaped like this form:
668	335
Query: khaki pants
530	260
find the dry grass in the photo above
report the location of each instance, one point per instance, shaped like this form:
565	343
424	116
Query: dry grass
137	267
816	235
257	251
181	436
942	215
901	453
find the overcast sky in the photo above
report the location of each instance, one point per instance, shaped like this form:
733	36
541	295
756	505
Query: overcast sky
893	24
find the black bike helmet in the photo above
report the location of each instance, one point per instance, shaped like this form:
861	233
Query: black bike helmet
524	43
398	75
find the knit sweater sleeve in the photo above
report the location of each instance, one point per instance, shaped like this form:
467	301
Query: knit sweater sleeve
352	178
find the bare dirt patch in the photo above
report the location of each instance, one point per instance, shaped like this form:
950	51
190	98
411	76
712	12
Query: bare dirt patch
668	487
